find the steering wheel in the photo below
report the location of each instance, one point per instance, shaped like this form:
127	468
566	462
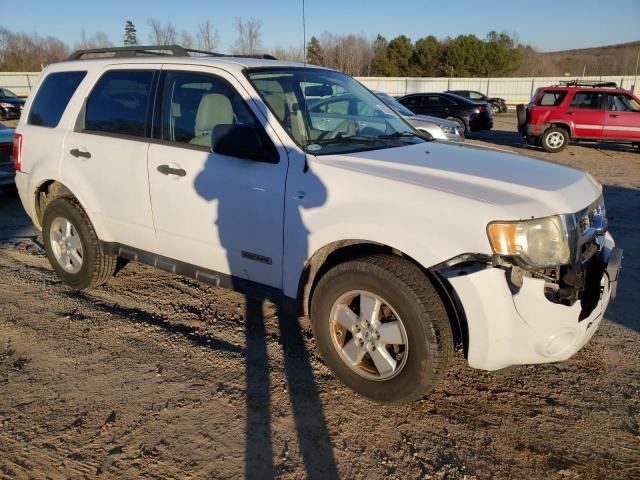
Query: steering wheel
349	127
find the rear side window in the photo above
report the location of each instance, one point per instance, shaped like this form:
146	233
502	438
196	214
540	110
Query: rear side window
119	103
587	100
411	102
552	98
52	98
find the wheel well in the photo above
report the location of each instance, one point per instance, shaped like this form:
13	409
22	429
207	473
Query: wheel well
339	252
48	191
563	126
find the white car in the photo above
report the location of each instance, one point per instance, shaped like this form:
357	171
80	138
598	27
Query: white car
398	248
432	127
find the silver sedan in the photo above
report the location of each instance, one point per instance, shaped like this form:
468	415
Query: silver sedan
431	127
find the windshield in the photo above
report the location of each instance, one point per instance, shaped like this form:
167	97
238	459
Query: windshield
395	104
329	112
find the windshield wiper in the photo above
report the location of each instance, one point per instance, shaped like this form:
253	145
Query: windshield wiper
395	135
352	138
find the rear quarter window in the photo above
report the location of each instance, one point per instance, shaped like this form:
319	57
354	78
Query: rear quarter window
552	98
119	103
52	98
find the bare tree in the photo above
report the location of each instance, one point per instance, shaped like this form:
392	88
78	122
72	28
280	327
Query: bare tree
97	40
352	54
186	39
207	37
21	52
293	54
161	34
249	36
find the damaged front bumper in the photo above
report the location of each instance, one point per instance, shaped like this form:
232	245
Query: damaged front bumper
515	326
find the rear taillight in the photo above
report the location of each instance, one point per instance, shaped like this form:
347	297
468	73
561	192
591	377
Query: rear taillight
17	151
482	108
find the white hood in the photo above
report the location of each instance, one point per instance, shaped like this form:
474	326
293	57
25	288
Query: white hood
521	186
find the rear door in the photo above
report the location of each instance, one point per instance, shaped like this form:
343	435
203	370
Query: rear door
586	111
105	155
413	103
622	117
437	105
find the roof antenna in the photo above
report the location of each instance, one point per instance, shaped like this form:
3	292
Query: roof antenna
306	113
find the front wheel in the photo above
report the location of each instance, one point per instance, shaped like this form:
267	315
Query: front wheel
555	139
72	246
382	328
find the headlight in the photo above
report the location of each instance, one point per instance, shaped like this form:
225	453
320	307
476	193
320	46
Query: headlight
540	243
447	130
5	105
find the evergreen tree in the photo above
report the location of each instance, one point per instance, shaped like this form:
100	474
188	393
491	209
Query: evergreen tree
314	51
380	65
400	51
426	57
130	37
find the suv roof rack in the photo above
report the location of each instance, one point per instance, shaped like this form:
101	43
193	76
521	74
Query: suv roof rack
588	83
157	50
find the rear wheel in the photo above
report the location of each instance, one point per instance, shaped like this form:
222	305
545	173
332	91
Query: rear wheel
382	328
555	139
72	246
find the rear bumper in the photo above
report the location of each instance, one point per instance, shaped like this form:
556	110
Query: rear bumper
27	200
507	329
481	122
7	173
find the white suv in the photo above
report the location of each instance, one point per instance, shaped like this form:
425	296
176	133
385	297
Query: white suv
398	248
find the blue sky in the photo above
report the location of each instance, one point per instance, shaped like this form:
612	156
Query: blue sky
547	25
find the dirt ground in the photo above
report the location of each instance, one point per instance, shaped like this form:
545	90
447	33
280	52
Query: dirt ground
158	376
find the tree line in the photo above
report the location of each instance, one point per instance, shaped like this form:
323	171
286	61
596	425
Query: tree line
464	56
495	55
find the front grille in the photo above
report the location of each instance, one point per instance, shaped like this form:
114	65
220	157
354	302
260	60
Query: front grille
586	233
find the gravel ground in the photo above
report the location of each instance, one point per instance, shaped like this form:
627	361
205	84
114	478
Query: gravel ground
155	375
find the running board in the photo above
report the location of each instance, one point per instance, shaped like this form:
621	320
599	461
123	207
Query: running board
211	277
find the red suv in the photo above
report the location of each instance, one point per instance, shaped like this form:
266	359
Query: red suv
598	112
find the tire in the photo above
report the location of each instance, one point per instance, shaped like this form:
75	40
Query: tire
411	306
554	139
521	113
461	124
79	241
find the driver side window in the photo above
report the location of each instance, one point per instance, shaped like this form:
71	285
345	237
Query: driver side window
195	105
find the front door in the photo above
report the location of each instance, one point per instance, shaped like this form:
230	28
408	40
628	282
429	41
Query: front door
622	119
211	210
105	156
586	112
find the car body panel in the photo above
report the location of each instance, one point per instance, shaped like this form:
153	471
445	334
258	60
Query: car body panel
446	105
599	124
7	171
430	201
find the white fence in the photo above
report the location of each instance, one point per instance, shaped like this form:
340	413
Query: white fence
514	90
19	83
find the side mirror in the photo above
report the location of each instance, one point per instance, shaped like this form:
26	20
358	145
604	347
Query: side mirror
241	141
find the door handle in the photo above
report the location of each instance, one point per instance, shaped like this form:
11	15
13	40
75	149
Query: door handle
614	115
76	152
569	113
167	170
